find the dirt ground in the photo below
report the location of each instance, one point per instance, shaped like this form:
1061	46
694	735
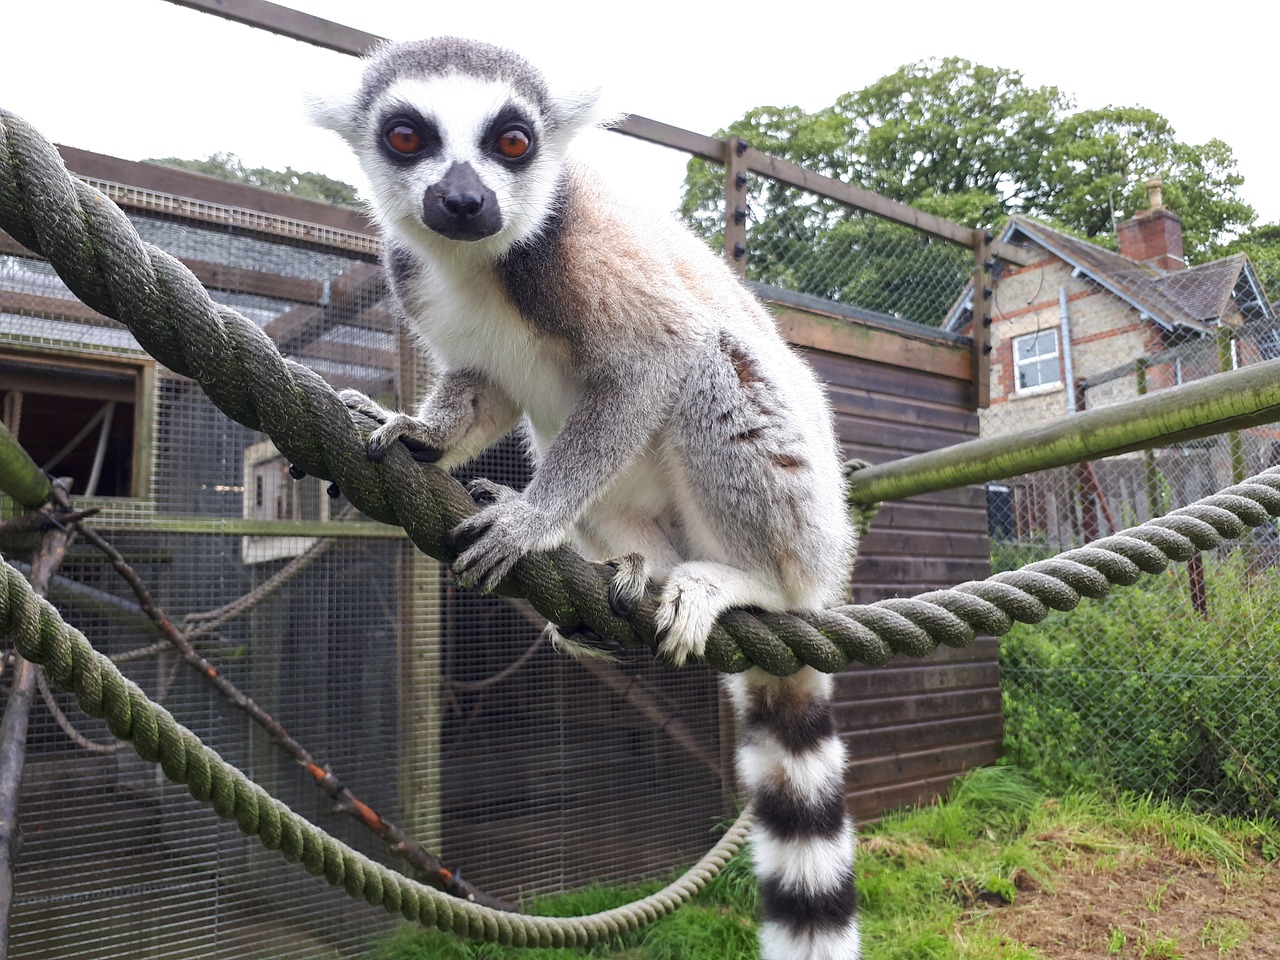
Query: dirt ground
1140	907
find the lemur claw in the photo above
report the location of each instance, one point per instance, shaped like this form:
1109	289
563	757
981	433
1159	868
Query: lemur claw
486	492
583	641
627	587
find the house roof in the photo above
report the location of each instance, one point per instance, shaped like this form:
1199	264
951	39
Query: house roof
1193	299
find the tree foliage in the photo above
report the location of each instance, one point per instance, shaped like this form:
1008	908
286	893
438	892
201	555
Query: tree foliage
969	143
306	184
1262	246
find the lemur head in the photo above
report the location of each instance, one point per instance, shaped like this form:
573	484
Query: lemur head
462	142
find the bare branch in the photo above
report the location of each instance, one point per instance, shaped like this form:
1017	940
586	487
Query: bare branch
345	801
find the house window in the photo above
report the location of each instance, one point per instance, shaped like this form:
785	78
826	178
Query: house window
1035	362
77	419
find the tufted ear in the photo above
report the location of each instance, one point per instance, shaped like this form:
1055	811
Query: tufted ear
575	111
336	113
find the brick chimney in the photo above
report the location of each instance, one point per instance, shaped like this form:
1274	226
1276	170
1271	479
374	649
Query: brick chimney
1153	236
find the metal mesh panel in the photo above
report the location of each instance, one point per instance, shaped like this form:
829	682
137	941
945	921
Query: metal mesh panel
810	245
1168	686
441	709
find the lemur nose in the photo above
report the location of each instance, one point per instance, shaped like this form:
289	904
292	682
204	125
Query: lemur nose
464	206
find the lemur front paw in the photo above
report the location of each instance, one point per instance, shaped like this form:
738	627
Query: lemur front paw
499	535
359	403
686	613
422	443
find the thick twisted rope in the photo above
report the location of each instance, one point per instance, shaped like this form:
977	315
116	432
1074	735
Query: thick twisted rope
99	255
71	664
949	616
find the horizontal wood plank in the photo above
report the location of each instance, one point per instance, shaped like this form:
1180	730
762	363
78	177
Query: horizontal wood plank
922	764
924	676
883	741
870	804
864	341
896	711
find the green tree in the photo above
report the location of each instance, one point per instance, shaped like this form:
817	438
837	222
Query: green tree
228	166
1094	169
1262	246
969	143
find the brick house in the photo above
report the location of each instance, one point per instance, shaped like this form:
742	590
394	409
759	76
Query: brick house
1082	315
1070	330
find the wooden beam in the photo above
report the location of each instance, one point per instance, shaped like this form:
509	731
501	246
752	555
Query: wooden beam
735	205
219	276
305	322
349	353
289	23
183	183
852	338
795	175
677	138
980	326
53	308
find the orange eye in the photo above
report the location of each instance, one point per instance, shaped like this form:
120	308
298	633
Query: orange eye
513	144
403	138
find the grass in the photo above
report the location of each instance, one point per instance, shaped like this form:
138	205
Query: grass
932	882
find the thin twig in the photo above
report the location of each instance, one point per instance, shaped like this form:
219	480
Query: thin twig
345	801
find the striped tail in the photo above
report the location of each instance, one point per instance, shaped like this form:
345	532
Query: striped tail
792	765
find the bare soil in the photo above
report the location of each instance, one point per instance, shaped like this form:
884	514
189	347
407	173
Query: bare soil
1140	906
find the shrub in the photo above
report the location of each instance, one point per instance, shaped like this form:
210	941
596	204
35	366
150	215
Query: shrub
1139	692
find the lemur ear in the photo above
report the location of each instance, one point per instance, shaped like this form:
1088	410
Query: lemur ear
575	111
333	112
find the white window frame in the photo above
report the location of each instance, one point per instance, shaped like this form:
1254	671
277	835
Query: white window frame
1020	362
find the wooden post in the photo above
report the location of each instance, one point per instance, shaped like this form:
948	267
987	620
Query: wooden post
1150	476
419	639
1226	362
735	204
981	324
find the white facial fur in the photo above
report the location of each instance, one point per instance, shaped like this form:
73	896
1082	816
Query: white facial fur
462	108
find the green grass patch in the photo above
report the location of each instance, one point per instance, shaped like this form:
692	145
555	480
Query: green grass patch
930	880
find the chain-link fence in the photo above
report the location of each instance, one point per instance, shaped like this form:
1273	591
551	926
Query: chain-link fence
1169	686
815	246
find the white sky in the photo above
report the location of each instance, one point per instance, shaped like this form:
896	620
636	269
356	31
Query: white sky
144	78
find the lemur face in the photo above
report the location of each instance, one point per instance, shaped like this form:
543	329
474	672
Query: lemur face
462	142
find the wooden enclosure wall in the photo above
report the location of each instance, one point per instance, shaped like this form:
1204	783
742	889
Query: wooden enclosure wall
913	726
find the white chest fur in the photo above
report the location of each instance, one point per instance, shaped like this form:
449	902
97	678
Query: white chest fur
469	323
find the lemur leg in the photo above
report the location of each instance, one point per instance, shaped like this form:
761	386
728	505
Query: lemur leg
462	415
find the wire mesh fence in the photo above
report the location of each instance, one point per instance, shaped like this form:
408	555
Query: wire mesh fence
1169	686
445	712
810	245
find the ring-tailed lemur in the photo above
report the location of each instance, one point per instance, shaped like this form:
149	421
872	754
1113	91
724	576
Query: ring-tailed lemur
670	426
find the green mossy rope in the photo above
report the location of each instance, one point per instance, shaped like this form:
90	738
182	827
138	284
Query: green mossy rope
40	634
99	255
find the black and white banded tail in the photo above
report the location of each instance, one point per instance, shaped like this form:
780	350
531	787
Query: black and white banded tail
791	763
